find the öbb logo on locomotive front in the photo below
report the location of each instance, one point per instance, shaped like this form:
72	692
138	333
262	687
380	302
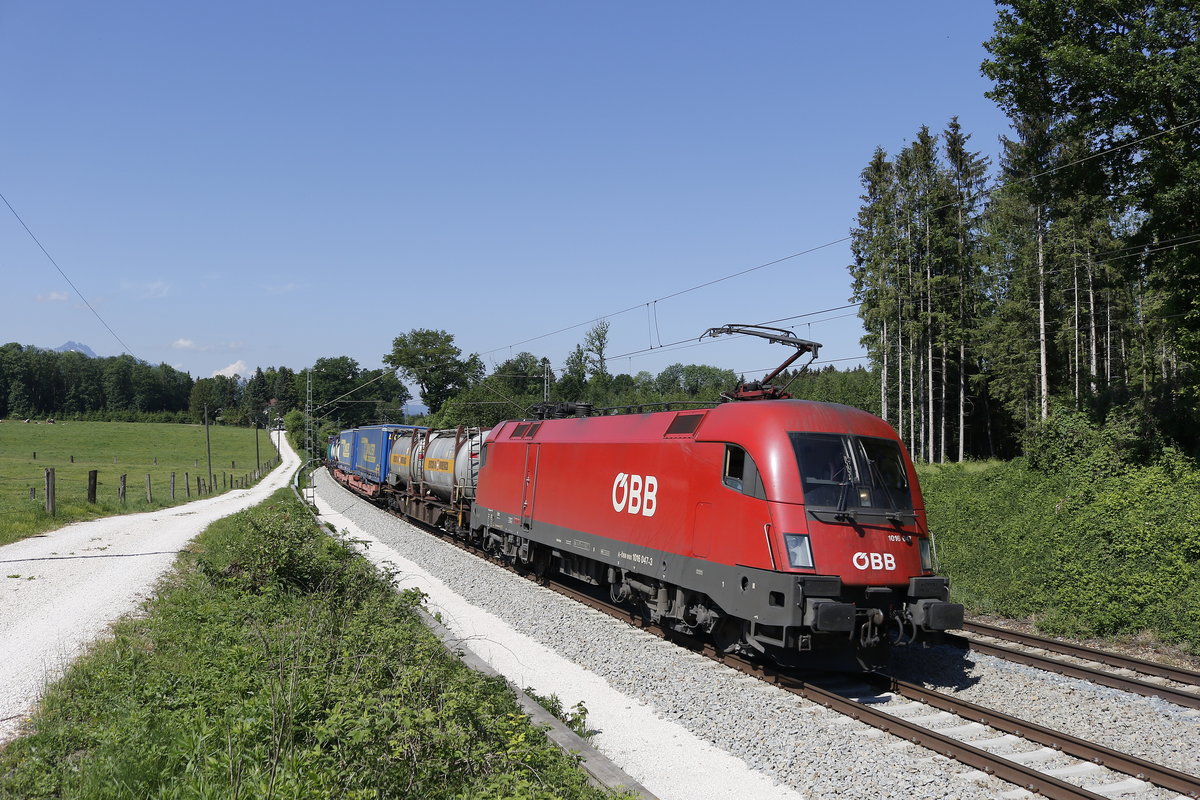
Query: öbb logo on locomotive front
635	494
876	561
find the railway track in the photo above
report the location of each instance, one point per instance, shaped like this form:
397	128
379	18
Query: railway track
1038	760
1129	674
1035	759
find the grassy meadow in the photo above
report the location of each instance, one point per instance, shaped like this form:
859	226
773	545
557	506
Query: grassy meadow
112	449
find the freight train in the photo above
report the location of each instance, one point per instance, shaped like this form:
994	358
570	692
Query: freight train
784	529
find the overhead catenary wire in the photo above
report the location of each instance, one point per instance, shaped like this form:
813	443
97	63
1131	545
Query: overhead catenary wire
984	193
126	348
684	344
652	310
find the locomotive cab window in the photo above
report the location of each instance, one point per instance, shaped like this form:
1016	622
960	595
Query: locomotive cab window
741	474
851	472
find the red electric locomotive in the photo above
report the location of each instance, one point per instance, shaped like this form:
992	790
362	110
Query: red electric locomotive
784	528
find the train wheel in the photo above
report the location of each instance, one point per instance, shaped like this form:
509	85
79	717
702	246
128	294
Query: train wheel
542	566
728	635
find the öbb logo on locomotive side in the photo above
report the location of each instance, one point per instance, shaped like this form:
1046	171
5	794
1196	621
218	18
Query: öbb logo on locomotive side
635	494
875	561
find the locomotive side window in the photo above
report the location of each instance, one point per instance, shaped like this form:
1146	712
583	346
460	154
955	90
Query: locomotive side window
848	472
741	474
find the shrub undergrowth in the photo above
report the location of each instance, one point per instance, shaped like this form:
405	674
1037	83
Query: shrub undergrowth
279	664
1095	533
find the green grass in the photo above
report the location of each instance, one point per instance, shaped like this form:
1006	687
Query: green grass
112	449
278	663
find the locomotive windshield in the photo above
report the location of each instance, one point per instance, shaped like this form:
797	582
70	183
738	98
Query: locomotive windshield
851	472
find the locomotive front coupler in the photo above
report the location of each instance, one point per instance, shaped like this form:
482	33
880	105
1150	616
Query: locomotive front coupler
869	633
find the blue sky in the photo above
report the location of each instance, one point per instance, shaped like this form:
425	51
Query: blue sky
234	185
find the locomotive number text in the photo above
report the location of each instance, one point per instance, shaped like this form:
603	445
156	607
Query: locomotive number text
635	494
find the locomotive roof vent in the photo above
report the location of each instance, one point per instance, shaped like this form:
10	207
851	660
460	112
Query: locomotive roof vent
684	424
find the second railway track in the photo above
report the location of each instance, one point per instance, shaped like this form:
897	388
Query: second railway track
1117	671
1045	770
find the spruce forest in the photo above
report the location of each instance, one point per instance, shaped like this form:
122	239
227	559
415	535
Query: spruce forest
1065	275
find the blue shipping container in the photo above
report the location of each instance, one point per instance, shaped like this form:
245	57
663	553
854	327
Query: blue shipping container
372	448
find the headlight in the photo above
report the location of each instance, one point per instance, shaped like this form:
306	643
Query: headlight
926	553
799	550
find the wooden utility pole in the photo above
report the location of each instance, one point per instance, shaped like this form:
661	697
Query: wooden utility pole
208	444
50	491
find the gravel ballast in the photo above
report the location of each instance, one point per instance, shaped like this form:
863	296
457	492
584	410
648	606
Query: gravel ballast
682	725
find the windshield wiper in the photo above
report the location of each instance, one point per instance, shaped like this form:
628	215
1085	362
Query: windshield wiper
896	516
843	515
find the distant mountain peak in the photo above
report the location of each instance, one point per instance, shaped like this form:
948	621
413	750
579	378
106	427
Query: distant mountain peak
76	347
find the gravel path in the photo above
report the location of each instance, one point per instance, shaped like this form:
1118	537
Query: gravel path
61	590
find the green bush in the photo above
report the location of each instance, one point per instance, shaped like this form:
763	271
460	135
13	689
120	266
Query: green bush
1097	533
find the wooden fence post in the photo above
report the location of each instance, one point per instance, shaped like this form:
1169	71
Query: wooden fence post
172	485
187	483
50	491
149	491
92	473
121	489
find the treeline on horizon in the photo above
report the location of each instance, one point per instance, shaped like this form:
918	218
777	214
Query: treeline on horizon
38	383
1073	280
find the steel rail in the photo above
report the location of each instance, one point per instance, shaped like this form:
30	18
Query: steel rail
1028	778
1023	776
1166	777
1159	670
1013	772
1089	674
